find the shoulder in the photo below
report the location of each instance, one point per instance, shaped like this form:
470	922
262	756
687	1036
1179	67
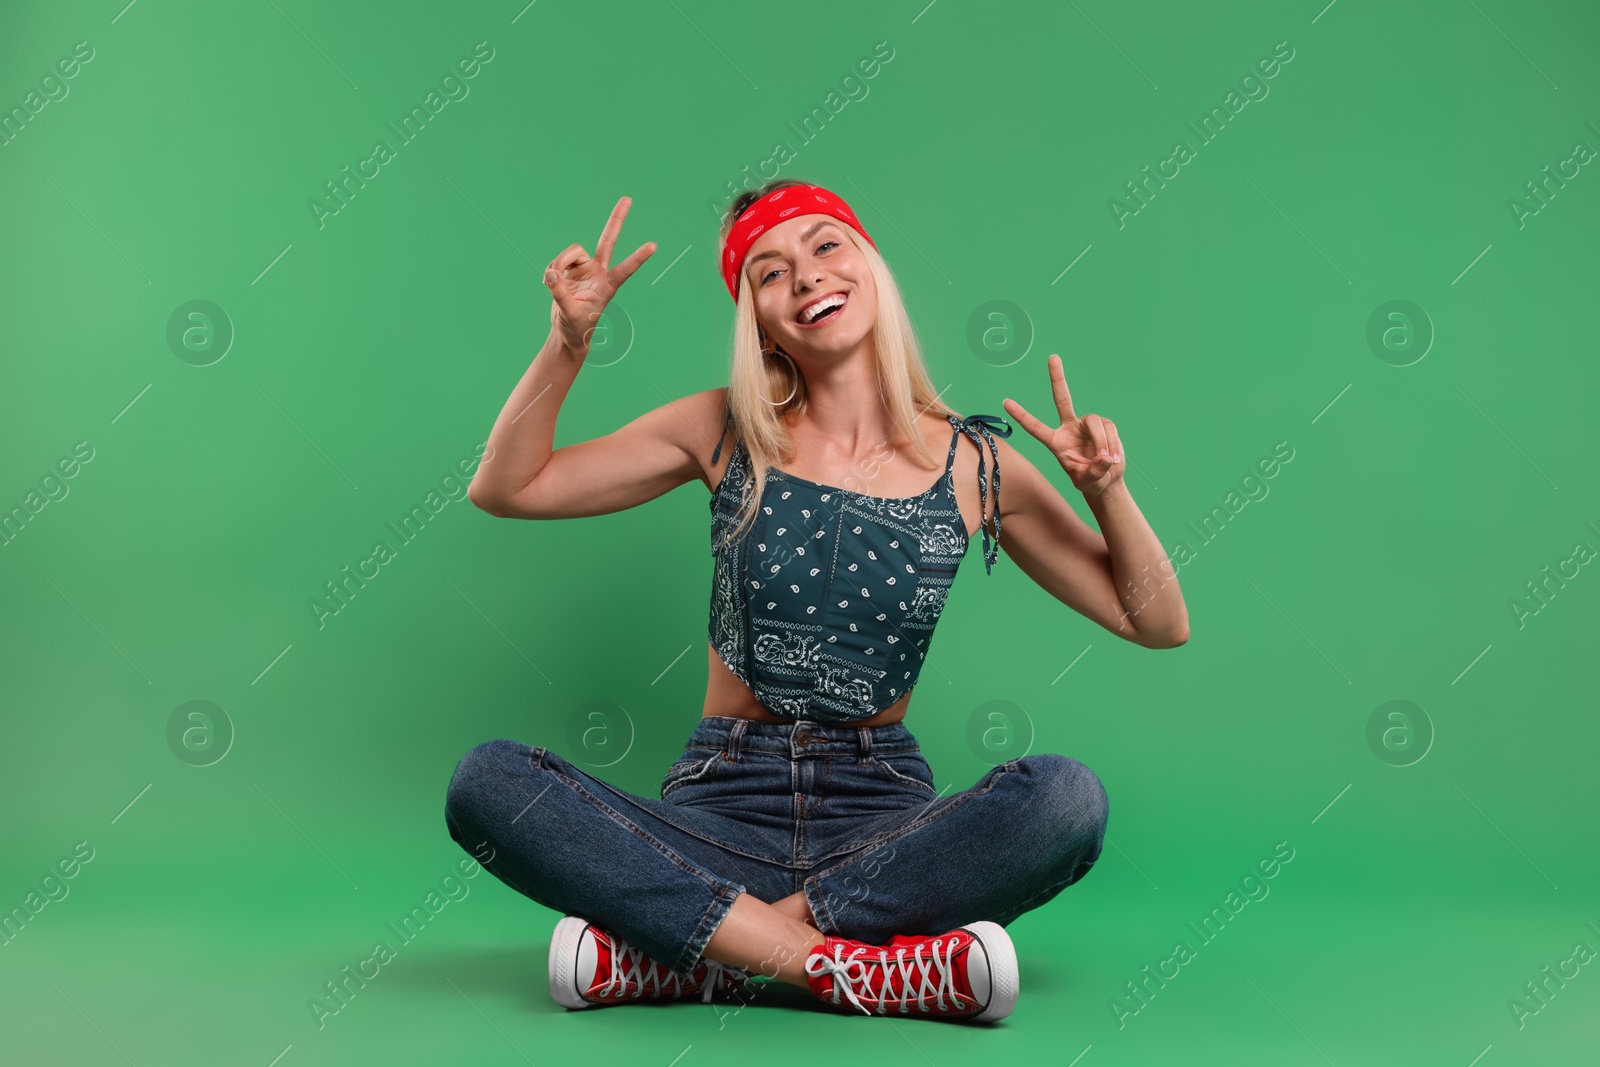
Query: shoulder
713	434
701	414
690	425
692	420
973	433
1021	478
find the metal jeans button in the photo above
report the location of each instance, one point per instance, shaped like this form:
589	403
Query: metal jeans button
802	737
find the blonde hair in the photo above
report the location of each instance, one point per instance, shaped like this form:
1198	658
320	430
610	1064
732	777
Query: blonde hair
757	381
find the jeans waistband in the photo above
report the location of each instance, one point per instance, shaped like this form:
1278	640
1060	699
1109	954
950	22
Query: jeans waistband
802	738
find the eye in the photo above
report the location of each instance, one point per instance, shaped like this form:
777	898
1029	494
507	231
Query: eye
768	276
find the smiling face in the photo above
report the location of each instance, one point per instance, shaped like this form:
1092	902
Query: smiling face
803	266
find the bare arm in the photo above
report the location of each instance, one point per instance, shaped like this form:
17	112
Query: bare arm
521	441
1108	576
524	478
522	475
1120	578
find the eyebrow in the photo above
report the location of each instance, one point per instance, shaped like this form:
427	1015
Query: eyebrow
805	235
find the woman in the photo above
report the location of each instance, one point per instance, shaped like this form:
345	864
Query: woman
800	835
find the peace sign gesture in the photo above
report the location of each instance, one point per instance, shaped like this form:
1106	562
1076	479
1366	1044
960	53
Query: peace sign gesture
1088	448
582	287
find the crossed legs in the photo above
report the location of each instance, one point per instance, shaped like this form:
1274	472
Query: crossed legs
581	846
770	939
1050	814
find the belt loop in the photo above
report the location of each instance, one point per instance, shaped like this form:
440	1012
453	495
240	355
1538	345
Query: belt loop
733	740
864	734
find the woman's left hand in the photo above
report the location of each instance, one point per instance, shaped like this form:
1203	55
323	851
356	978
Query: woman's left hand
1088	448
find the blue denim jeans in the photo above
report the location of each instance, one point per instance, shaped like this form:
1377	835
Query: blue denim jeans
846	814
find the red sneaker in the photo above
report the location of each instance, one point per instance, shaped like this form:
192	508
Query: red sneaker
590	966
970	972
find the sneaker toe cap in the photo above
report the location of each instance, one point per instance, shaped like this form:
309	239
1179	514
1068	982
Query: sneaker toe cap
978	972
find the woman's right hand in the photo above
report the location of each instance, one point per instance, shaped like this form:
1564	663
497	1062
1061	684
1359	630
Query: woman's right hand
581	286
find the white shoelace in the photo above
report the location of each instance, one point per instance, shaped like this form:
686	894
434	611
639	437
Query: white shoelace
857	971
629	962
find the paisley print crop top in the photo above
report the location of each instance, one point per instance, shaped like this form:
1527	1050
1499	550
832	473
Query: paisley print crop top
826	607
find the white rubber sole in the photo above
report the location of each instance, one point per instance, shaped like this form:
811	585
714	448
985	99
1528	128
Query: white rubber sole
1003	978
564	962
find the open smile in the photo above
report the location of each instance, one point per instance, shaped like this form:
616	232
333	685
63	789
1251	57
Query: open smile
822	310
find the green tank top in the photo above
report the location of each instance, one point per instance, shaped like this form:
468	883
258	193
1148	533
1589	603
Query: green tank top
826	607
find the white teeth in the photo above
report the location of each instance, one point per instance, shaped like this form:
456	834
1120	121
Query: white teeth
810	314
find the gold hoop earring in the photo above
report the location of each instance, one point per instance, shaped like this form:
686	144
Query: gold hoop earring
785	400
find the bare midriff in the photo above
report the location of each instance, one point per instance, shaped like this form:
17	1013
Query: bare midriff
727	695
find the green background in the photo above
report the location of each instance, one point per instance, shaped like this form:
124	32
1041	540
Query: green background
373	352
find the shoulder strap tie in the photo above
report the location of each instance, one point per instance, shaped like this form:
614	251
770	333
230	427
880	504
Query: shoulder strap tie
725	424
974	425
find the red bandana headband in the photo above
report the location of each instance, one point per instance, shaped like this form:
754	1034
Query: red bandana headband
772	209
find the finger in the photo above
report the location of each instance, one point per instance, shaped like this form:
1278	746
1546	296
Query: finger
1097	432
558	286
624	270
569	258
608	236
1116	441
1027	421
1058	388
